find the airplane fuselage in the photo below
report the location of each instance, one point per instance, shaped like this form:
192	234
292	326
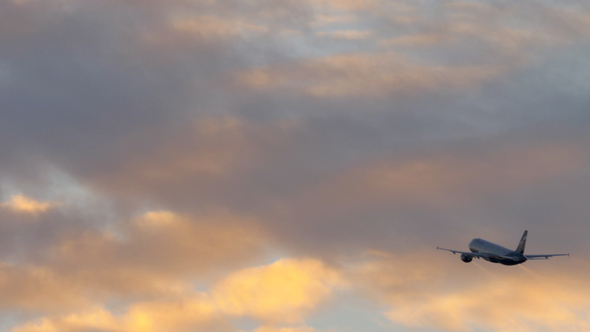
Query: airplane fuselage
491	252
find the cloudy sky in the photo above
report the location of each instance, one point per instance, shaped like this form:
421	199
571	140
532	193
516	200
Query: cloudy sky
292	165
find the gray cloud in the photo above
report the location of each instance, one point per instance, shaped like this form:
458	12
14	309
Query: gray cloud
449	121
118	102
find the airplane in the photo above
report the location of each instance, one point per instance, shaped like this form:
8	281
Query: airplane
494	253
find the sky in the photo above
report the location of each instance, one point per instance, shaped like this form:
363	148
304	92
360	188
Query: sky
292	165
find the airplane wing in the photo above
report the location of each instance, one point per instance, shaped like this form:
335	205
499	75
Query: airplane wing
461	252
534	257
478	255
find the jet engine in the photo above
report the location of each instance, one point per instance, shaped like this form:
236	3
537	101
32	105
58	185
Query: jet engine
466	258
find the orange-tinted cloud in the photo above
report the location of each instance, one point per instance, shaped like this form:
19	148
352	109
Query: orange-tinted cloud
285	329
282	292
157	254
157	248
22	204
423	292
346	34
212	27
38	289
205	153
320	149
351	5
444	180
146	317
364	75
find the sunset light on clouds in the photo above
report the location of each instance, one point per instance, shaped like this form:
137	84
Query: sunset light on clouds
292	166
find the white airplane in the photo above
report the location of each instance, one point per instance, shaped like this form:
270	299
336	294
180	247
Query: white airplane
494	253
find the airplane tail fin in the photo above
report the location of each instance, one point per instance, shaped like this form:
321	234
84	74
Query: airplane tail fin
522	243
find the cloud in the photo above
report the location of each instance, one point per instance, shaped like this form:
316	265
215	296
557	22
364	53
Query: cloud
37	288
413	40
282	292
26	205
483	33
147	317
196	164
479	187
500	169
415	289
211	27
99	320
421	293
356	75
351	4
519	305
346	34
157	249
157	254
324	20
284	329
218	133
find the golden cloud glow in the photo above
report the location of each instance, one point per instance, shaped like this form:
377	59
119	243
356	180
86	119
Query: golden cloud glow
23	204
159	316
283	291
156	254
97	319
485	298
157	219
512	304
161	245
